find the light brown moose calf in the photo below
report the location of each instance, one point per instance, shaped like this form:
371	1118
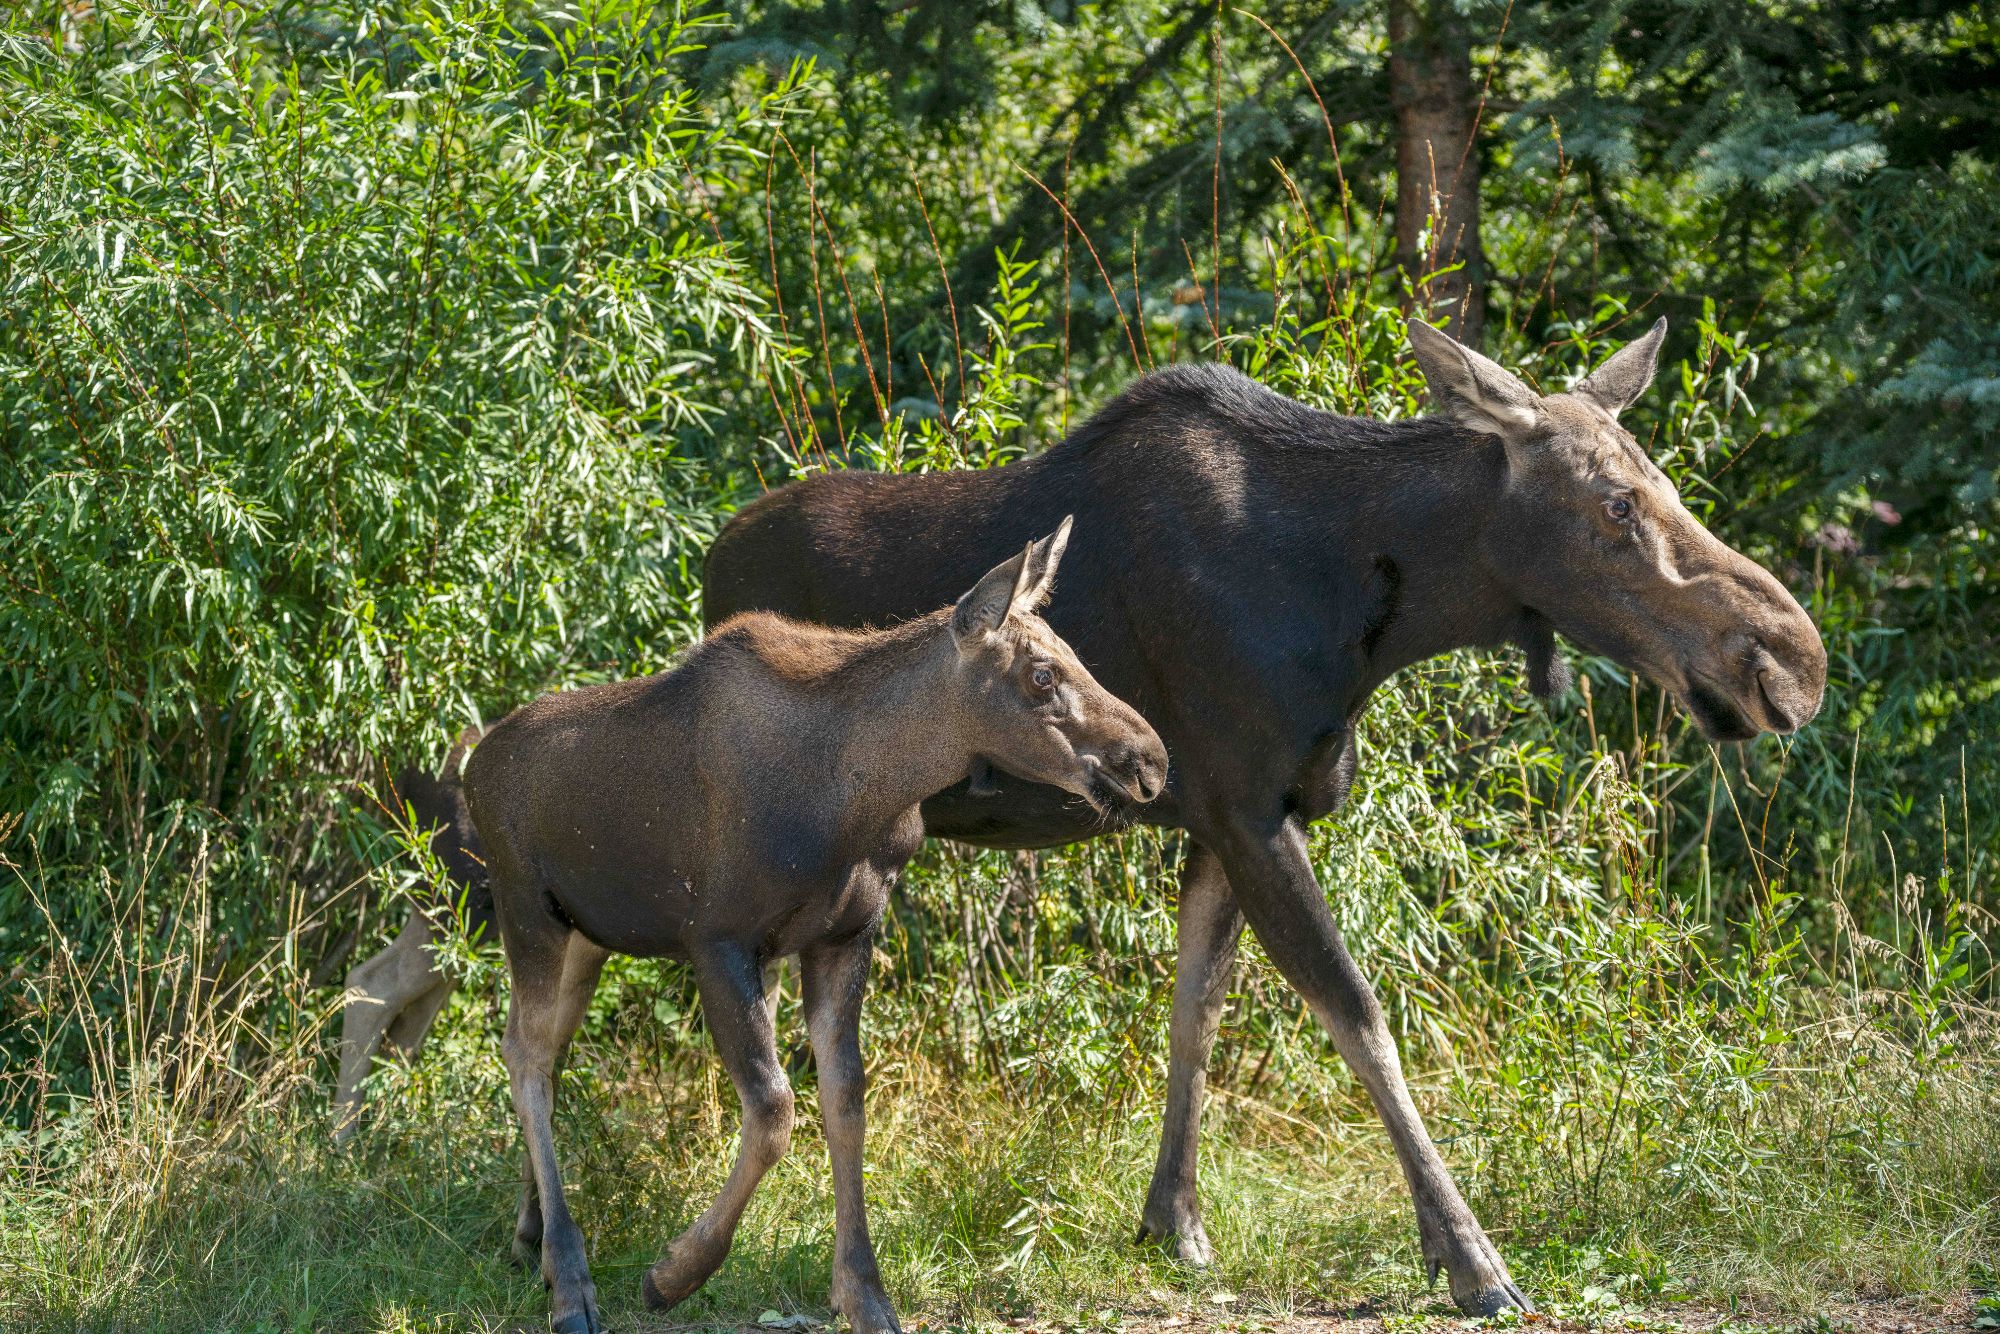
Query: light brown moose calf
757	802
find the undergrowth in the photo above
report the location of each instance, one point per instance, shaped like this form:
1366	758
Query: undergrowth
1653	1118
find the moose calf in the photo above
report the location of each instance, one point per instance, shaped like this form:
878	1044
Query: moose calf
756	802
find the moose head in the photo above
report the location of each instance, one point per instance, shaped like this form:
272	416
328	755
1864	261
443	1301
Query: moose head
1593	539
1032	707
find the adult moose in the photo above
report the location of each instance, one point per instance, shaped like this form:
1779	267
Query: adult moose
1249	570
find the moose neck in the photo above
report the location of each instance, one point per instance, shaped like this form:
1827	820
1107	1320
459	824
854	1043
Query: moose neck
1413	535
912	743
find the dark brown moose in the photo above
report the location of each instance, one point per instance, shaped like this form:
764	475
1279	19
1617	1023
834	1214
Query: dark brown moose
1249	570
754	803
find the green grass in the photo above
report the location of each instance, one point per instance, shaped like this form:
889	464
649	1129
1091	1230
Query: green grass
1646	1100
984	1205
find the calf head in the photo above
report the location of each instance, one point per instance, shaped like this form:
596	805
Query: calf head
1029	707
1591	537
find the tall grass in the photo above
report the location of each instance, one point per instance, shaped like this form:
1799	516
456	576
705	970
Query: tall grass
1639	1101
288	495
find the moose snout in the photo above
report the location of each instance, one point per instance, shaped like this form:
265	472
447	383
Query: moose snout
1140	767
1767	662
1788	675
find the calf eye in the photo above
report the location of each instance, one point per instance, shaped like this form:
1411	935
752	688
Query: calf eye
1044	679
1619	509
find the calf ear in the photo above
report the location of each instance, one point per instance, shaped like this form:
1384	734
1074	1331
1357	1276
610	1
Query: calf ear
1038	575
1617	384
1018	584
987	603
1474	391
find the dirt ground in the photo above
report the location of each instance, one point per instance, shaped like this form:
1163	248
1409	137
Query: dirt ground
1902	1315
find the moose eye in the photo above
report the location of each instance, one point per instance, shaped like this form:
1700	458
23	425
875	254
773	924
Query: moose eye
1044	678
1619	509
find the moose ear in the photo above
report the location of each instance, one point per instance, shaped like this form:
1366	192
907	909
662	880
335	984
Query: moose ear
1018	584
1472	390
1617	384
1038	573
984	606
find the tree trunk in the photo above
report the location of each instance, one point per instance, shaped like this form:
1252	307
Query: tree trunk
1437	163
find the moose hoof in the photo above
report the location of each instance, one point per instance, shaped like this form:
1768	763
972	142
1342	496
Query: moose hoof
655	1297
1492	1301
1183	1239
1480	1283
679	1274
868	1312
575	1312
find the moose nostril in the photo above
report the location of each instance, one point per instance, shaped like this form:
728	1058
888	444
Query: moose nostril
1780	717
1136	768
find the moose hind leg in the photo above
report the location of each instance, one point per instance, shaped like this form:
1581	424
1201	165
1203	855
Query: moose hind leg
582	962
535	1039
732	1001
1208	926
406	1034
835	978
385	986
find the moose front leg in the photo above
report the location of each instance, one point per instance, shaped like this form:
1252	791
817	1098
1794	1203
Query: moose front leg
835	976
1208	925
1272	876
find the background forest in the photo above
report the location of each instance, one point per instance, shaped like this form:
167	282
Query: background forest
366	369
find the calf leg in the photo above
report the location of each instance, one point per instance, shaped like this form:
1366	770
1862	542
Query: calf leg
582	962
538	956
835	976
388	987
1272	875
577	991
407	1033
1208	926
732	1000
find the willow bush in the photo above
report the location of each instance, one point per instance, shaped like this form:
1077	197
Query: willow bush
356	364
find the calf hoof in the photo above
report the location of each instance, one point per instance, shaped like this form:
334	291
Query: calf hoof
1492	1301
1480	1283
650	1293
867	1309
680	1273
1179	1234
578	1316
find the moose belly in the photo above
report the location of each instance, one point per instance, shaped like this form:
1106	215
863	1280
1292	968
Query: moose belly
778	891
650	914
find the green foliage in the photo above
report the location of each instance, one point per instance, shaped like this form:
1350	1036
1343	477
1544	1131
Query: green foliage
355	379
367	369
